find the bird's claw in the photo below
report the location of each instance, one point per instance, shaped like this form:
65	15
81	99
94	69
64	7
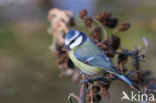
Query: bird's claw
86	80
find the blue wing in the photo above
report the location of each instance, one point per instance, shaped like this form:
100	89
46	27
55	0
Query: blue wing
90	54
95	60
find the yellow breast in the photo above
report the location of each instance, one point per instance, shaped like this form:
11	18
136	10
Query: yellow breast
84	67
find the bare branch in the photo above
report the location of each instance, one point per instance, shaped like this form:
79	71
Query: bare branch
82	89
91	94
103	28
74	96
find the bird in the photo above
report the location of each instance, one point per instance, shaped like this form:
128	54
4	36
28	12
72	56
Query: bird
89	58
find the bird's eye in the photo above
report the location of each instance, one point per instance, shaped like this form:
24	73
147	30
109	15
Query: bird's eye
72	41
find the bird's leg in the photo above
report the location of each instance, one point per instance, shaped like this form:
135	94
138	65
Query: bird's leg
88	79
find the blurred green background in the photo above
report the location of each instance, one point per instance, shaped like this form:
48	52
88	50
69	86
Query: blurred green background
28	72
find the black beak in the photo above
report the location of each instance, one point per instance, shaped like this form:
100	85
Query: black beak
67	47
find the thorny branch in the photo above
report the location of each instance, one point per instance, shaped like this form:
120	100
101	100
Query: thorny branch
60	23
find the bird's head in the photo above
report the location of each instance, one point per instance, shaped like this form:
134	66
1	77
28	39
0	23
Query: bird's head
74	39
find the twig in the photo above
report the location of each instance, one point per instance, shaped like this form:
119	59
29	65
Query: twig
125	52
82	90
136	59
76	75
115	30
74	96
103	27
150	90
102	78
91	94
137	63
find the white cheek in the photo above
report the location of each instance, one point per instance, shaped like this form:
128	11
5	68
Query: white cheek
76	42
75	35
67	42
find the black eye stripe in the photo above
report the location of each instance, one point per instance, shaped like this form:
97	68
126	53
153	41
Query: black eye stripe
74	39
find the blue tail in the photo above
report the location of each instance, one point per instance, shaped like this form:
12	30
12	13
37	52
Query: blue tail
128	81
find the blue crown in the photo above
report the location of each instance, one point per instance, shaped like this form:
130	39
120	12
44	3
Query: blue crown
70	34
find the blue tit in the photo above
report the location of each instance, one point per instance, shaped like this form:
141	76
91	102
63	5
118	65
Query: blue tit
89	58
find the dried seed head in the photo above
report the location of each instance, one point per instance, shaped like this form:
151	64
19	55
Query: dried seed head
140	77
104	91
59	50
110	52
60	61
147	73
97	35
122	58
97	98
112	22
104	16
124	26
115	42
70	63
121	67
96	89
88	21
71	22
83	13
